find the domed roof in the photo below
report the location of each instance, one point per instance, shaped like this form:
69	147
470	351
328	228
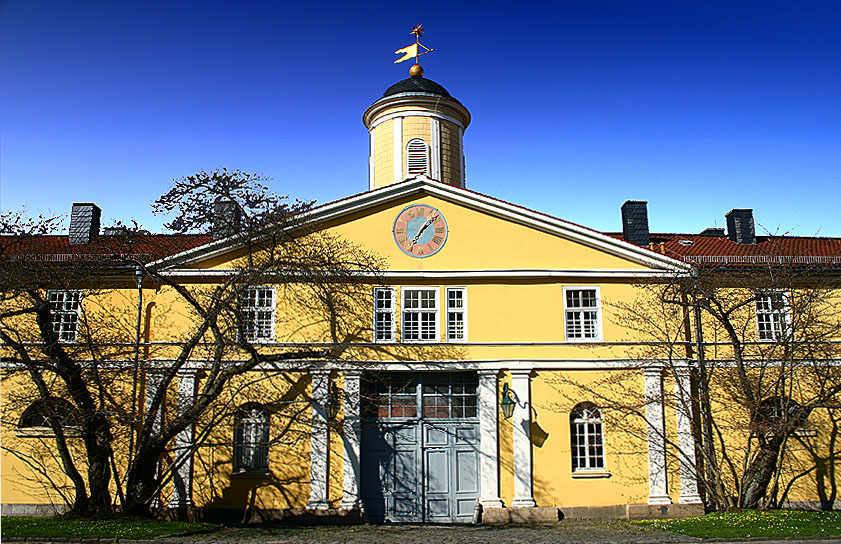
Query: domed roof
416	85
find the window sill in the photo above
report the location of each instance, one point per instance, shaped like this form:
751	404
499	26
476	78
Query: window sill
46	432
585	474
263	473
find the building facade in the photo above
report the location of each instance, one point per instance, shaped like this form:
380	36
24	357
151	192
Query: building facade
491	369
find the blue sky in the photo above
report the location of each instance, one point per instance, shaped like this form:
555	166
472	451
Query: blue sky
696	106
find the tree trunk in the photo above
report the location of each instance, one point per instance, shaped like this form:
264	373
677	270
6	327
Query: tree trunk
98	445
759	473
142	484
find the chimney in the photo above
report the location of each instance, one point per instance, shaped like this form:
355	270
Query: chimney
635	222
84	222
712	231
740	227
227	219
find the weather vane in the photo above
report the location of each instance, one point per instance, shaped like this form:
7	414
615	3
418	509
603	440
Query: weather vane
414	50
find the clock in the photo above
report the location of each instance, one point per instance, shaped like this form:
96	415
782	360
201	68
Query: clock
420	230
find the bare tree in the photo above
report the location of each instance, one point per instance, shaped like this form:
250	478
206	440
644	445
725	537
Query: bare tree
273	242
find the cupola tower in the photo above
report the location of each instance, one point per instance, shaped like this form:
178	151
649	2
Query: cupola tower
416	128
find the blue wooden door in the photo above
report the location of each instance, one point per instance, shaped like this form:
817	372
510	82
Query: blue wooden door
420	460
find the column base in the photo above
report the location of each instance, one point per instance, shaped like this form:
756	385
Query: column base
659	499
523	503
491	503
318	505
690	499
350	505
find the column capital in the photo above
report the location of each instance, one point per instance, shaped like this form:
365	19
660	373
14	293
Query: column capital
488	372
520	372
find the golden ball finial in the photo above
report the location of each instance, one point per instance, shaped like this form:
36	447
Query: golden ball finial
416	70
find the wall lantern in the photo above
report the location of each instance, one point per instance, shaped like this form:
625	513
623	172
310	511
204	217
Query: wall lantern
507	403
332	404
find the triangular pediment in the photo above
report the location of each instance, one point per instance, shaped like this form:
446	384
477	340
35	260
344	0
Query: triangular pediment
478	234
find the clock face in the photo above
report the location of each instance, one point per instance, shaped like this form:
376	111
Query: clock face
420	230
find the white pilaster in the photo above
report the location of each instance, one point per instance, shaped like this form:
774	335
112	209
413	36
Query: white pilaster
658	488
352	429
435	151
686	438
523	493
182	481
399	168
371	150
319	445
461	153
153	383
488	438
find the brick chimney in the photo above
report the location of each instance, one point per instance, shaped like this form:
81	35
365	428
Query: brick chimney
740	227
227	219
635	222
84	222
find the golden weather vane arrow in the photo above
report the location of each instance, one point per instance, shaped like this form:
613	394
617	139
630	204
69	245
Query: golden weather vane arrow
414	49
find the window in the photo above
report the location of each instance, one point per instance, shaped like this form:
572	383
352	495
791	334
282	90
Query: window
450	395
257	310
587	438
65	307
772	316
391	395
384	314
780	413
457	314
35	420
420	315
251	438
581	313
441	395
417	157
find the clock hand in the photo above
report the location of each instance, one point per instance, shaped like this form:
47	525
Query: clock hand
429	221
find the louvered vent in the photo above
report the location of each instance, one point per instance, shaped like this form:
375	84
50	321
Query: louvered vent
417	157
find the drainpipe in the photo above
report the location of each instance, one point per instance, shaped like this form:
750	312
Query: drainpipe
138	277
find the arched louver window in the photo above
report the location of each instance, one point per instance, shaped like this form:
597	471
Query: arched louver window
36	419
251	438
587	437
417	157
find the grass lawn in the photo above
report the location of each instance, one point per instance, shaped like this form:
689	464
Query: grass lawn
116	527
773	524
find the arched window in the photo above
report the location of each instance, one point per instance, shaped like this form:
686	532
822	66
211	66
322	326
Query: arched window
779	413
587	437
251	438
417	157
36	419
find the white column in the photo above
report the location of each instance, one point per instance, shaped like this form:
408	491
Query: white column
153	383
435	148
488	439
319	446
182	481
658	489
352	429
523	495
685	438
397	129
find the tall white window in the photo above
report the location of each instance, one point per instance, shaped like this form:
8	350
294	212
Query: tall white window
772	316
420	314
384	314
587	438
457	314
257	314
582	313
65	307
251	438
417	157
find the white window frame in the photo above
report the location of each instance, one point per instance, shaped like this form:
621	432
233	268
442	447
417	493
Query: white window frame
389	313
775	315
252	316
60	326
463	310
579	422
252	430
426	161
404	311
598	309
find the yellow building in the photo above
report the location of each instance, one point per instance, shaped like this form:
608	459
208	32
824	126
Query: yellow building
482	307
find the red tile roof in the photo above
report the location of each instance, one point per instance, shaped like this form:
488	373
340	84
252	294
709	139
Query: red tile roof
706	249
55	247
